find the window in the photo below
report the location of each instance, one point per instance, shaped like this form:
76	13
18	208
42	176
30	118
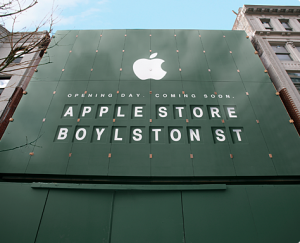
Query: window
295	77
3	83
281	53
285	24
18	59
266	24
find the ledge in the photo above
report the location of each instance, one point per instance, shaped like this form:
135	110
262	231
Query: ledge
273	10
119	187
277	33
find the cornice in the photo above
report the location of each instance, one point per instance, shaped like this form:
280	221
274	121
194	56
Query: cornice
272	10
278	33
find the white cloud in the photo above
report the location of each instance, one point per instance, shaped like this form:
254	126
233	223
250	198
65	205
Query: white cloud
89	12
31	18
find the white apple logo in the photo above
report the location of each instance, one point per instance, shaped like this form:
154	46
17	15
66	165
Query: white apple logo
146	69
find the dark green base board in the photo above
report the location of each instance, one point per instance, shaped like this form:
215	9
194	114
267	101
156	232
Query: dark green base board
54	212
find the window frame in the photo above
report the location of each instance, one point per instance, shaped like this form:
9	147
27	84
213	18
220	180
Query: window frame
281	53
286	21
266	21
4	78
297	83
18	59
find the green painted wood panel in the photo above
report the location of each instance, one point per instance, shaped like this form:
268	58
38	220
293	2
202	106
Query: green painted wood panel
57	153
137	46
76	216
245	58
106	120
248	213
84	49
218	216
163	42
246	161
218	56
58	52
280	135
108	59
276	213
92	151
21	134
21	209
192	59
157	213
147	217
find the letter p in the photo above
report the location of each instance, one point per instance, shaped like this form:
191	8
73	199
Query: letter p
103	110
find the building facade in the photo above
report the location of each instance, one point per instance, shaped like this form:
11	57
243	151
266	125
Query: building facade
150	136
15	77
275	34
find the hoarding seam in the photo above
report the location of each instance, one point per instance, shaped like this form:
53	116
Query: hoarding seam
111	217
38	229
184	98
183	223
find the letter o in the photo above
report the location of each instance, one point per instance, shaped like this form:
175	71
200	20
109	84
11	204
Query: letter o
83	135
172	135
195	112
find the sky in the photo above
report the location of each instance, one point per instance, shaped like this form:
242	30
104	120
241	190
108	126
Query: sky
134	14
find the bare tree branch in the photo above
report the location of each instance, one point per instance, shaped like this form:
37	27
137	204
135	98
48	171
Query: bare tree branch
22	43
24	145
9	8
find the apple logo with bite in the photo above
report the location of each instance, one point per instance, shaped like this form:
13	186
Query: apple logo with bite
149	68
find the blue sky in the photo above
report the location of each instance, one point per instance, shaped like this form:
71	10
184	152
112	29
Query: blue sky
138	14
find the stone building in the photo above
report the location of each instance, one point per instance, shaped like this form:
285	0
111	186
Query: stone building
275	34
15	77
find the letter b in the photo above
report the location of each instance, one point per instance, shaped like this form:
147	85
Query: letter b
63	133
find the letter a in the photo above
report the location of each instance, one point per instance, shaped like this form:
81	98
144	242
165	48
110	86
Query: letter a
69	112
